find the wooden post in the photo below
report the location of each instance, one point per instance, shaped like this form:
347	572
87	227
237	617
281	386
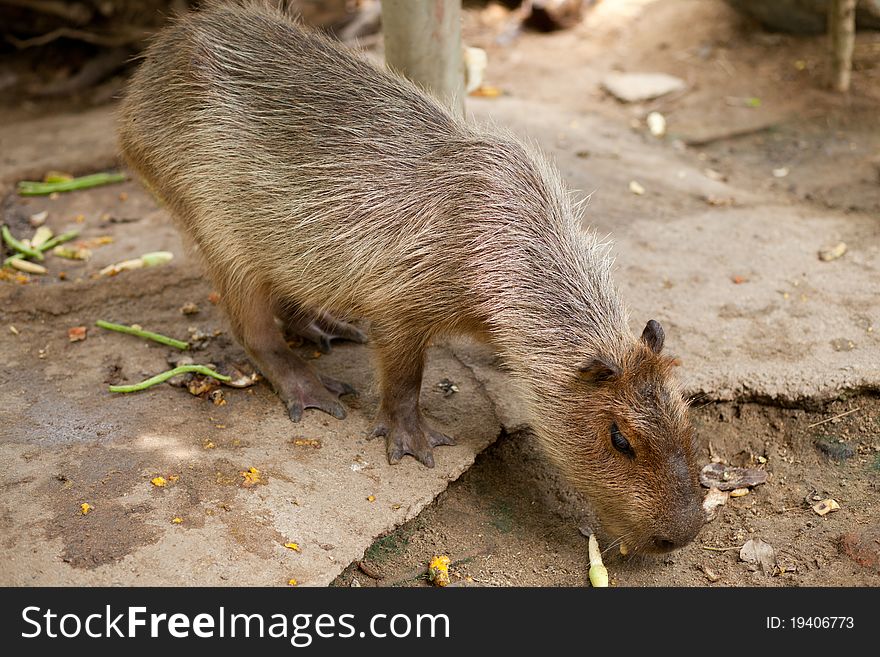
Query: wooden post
423	42
841	29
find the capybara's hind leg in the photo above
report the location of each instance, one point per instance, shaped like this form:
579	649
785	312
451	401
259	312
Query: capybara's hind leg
400	421
320	327
298	385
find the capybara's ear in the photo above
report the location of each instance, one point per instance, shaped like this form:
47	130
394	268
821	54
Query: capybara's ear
653	336
599	370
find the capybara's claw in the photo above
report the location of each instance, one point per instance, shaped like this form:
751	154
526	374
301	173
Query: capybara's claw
321	394
416	440
338	388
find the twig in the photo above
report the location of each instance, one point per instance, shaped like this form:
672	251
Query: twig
19	246
834	417
148	335
105	40
33	188
164	376
721	549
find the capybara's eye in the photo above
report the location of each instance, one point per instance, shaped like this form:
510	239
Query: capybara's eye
620	443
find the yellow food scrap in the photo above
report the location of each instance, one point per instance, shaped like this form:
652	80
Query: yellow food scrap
292	546
85	507
251	477
598	572
158	482
438	570
292	582
371	498
173	478
209	445
177	520
304	442
826	506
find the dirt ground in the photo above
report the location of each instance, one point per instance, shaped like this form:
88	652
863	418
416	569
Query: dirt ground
755	103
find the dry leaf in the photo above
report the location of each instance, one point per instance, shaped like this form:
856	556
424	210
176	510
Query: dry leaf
760	553
826	506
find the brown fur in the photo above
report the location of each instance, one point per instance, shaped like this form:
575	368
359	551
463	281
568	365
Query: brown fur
311	181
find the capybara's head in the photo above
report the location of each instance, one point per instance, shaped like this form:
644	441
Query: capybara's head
635	456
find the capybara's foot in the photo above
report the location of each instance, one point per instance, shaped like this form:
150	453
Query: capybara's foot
410	436
317	391
322	329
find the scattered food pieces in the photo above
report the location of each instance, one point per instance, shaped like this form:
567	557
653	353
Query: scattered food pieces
825	507
202	386
739	280
711	174
656	124
177	520
214	298
306	442
76	333
72	252
714	498
727	477
598	572
54	183
292	582
38	219
26	266
475	62
251	477
164	376
438	571
832	252
448	387
42	235
159	482
781	172
755	551
19	246
371	498
624	550
485	91
85	507
136	330
292	546
635	87
739	492
152	259
13	330
189	308
242	376
636	188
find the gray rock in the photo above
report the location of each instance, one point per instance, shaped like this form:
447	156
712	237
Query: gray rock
634	87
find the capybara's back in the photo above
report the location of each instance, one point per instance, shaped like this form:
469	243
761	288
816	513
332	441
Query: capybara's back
319	188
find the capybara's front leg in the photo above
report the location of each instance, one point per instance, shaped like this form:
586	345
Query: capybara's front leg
298	385
400	421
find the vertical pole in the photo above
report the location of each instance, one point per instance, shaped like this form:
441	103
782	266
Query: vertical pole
423	42
841	28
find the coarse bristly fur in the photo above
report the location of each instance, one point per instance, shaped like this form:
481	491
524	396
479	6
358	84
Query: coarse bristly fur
312	180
